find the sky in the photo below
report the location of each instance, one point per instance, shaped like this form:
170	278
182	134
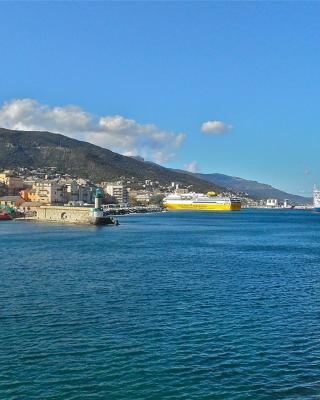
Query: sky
227	87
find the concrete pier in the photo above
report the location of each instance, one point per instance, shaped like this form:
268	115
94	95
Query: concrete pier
73	215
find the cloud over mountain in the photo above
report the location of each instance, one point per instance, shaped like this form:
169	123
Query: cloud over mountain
193	166
215	127
114	132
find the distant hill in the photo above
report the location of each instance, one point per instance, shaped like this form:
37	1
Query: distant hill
77	158
254	189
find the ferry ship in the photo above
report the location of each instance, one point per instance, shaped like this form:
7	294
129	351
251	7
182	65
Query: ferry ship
316	199
202	202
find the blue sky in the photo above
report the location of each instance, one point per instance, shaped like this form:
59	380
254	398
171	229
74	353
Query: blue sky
165	69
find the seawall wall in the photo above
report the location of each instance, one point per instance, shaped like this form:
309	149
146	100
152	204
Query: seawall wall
80	215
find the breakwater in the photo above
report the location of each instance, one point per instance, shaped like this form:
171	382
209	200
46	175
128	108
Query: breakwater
70	215
131	210
82	215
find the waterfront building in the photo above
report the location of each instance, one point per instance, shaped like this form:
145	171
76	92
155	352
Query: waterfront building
76	192
272	203
85	194
3	189
30	206
71	191
12	182
47	192
11	201
143	197
117	191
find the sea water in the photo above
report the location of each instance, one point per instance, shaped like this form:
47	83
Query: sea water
178	305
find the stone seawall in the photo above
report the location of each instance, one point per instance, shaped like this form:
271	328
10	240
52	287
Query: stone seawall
76	215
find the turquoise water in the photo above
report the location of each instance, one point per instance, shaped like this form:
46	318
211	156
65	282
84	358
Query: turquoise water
168	306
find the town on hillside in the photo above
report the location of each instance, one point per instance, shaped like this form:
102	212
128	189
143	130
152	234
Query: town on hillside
24	189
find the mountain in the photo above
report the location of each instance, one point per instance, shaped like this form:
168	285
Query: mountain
252	188
77	158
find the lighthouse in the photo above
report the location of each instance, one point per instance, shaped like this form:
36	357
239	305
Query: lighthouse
97	217
98	198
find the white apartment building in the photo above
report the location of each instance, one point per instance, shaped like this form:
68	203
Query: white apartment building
118	191
76	192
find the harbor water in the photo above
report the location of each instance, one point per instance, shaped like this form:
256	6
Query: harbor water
177	305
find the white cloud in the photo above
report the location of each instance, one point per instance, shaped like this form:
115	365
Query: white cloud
114	132
215	127
193	166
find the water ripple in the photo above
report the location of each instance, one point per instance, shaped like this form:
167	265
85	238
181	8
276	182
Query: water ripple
174	306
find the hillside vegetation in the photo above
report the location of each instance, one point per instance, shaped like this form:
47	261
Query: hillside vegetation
77	158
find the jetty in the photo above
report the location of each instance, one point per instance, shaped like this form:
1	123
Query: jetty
71	215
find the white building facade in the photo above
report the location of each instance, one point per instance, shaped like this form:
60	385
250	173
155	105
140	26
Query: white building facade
117	191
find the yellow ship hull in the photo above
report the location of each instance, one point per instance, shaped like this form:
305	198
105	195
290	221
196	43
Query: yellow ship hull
204	207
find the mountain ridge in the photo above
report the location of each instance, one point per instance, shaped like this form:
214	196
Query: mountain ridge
45	149
254	189
245	186
79	158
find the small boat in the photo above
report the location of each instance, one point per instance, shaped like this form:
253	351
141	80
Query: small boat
4	216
